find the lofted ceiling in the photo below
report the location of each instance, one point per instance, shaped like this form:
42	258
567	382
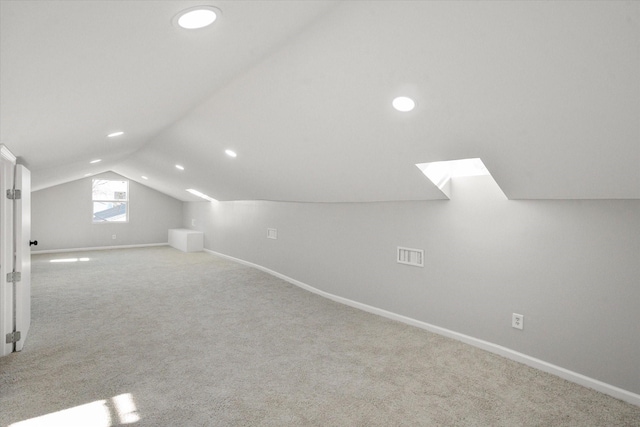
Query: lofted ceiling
547	94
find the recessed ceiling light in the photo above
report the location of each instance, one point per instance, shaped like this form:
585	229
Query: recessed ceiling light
180	167
197	17
231	153
403	103
144	177
114	134
95	161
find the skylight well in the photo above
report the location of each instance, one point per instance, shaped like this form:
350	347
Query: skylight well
441	173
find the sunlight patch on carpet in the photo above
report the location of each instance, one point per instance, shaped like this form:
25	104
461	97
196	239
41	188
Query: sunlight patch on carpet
118	410
70	260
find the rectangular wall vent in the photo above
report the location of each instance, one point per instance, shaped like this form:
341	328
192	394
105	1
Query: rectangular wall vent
272	233
411	256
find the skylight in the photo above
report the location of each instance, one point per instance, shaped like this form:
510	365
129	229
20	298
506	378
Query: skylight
442	174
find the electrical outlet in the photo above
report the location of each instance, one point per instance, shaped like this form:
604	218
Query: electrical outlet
272	233
517	321
113	236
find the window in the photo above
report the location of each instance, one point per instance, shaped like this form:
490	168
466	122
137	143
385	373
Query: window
110	200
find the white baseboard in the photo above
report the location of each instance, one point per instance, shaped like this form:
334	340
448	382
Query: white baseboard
566	374
97	248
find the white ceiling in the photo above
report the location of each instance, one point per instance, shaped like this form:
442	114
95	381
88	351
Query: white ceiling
547	94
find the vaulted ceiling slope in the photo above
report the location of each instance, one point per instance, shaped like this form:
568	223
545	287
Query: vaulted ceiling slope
547	94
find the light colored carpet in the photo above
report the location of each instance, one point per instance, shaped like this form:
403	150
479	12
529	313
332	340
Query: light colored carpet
195	340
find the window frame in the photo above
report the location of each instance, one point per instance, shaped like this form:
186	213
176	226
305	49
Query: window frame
124	201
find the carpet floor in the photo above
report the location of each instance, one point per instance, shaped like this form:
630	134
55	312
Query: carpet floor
157	337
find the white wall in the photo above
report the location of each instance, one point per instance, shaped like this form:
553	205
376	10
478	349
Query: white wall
571	267
62	217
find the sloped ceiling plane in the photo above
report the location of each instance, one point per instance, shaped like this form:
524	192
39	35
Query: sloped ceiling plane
547	94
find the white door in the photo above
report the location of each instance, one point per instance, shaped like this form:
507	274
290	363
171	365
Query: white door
23	253
7	164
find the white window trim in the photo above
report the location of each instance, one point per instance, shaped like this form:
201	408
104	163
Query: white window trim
125	201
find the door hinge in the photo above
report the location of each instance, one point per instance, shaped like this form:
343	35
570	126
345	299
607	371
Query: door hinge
14	194
13	337
14	277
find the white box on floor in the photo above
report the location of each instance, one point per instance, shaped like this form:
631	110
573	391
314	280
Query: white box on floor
186	240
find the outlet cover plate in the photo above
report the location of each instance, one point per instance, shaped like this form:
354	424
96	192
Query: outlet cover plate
517	321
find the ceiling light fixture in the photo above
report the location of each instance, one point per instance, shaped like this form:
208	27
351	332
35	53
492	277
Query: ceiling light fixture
404	104
201	195
144	177
114	134
231	153
197	17
95	161
180	167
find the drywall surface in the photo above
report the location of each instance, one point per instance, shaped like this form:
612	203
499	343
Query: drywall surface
572	268
61	217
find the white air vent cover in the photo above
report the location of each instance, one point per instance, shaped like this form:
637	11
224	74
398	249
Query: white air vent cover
411	256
